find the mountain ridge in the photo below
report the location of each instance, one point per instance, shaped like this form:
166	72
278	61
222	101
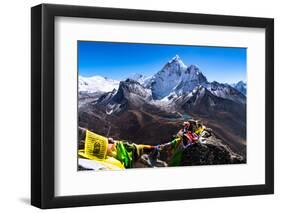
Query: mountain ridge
174	78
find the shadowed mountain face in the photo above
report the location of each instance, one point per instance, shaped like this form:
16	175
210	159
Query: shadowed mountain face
152	110
128	114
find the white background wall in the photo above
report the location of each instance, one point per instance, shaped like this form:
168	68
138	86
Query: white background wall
15	105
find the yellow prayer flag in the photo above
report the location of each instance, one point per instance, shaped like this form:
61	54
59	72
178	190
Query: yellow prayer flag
95	145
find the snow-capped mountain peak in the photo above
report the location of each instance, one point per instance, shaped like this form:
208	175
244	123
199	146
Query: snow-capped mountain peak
176	77
97	84
176	58
194	69
175	65
241	86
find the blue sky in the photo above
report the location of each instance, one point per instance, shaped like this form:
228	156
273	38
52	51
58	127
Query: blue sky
120	60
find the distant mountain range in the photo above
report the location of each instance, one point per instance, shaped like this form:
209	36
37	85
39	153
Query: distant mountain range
241	87
151	109
174	78
96	84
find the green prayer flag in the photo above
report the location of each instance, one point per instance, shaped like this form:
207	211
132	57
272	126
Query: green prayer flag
124	155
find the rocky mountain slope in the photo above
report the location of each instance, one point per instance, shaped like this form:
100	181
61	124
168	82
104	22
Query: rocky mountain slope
212	152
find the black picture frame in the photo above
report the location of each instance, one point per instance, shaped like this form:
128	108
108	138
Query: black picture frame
43	111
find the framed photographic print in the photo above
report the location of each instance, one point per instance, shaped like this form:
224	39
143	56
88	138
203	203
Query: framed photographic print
141	106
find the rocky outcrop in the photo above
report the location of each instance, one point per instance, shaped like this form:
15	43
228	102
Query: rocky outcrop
213	152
